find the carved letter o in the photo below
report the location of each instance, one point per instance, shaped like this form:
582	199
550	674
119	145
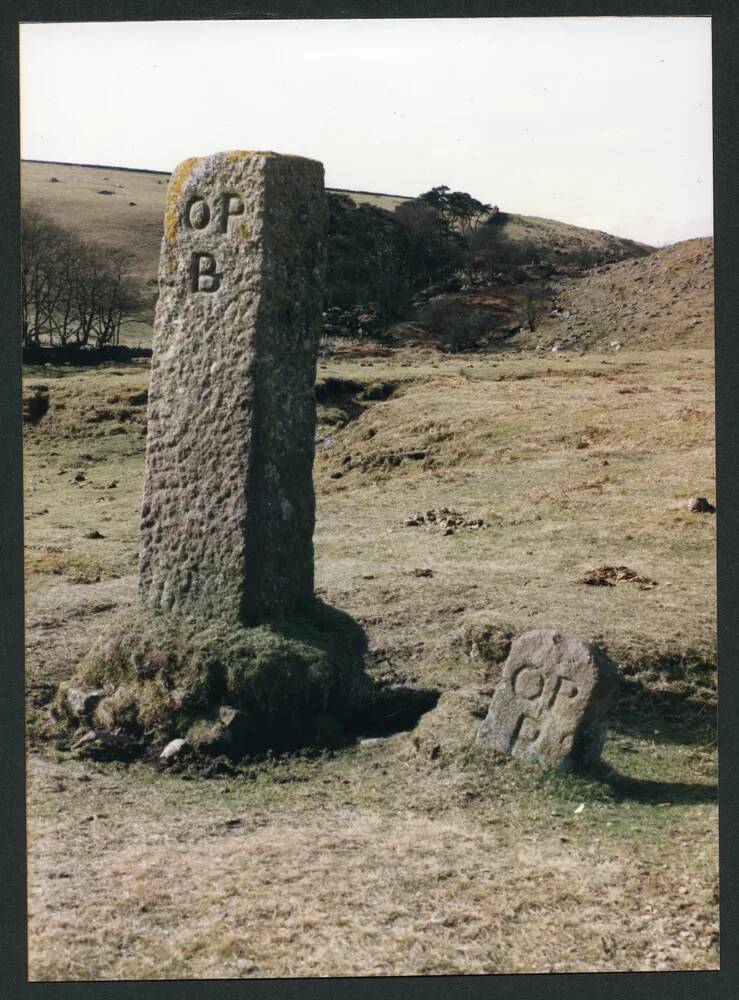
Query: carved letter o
198	214
528	683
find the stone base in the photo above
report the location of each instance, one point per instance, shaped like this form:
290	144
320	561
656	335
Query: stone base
281	686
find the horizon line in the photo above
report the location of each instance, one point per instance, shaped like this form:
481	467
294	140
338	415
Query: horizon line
168	173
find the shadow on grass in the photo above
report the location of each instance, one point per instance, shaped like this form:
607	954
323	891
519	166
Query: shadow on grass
394	709
665	716
624	787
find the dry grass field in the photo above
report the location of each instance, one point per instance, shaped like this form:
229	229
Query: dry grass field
417	853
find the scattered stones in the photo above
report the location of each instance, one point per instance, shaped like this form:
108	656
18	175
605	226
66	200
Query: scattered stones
174	748
446	519
79	477
700	505
103	739
552	703
54	180
608	576
105	191
94	534
423	572
383	460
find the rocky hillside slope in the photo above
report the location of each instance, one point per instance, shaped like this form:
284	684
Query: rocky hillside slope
662	300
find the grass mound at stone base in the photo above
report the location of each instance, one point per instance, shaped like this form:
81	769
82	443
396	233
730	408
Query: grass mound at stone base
158	676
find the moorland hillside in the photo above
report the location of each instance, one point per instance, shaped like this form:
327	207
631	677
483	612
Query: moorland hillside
125	208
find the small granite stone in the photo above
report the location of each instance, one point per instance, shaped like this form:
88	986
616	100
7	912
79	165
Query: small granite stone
173	749
551	704
103	738
233	719
80	702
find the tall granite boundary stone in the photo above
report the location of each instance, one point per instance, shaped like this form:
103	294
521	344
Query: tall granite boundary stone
552	703
228	626
228	509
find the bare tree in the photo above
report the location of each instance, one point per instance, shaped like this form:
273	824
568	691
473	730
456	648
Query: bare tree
74	292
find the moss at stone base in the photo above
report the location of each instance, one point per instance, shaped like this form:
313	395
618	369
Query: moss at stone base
298	681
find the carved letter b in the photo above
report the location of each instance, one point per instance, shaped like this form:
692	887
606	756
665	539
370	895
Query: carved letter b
203	274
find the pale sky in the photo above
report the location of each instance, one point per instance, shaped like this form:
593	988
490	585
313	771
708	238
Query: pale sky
599	122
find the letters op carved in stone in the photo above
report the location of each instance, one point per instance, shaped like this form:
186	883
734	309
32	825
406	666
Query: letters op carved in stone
552	702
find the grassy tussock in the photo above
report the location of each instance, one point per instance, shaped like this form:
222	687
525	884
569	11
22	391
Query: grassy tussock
162	673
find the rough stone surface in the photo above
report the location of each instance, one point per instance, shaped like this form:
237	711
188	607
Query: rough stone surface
79	702
228	509
234	719
102	738
173	749
551	704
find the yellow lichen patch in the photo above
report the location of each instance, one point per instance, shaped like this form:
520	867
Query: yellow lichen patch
176	183
236	154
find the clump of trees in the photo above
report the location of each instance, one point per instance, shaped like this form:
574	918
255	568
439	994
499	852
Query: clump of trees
381	264
382	267
458	211
74	292
365	260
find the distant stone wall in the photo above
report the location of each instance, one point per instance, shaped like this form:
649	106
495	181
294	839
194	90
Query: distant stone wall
82	355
